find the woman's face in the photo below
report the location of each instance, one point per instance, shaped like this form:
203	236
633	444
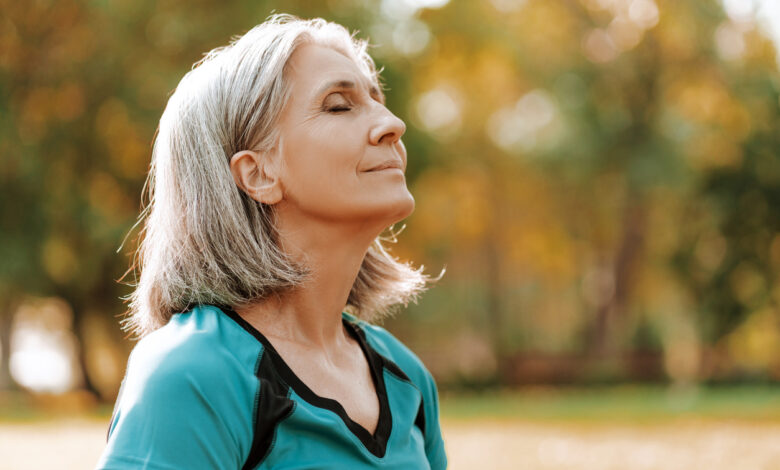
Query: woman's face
342	159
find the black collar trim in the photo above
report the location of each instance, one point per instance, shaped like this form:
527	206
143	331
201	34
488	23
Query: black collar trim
375	443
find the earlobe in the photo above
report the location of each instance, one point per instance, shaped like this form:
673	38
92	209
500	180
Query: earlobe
255	173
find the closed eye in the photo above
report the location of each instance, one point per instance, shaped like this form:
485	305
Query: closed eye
336	103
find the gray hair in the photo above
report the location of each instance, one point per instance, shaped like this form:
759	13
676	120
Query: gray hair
203	240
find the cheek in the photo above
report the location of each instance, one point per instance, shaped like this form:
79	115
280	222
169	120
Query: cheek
320	162
332	140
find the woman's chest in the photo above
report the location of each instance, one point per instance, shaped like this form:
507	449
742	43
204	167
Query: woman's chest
352	385
319	434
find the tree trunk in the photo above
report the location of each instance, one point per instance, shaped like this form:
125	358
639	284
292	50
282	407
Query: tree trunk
601	338
644	111
493	276
80	319
494	308
7	310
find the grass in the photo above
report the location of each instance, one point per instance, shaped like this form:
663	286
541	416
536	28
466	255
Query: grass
20	407
624	403
629	403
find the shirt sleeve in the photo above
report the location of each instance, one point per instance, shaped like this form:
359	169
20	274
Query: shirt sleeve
178	410
434	443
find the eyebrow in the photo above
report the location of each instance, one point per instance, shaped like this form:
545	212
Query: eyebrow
373	90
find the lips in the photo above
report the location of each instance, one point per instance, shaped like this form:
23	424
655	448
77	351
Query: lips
387	165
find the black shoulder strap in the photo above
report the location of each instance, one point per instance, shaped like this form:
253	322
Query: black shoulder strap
272	405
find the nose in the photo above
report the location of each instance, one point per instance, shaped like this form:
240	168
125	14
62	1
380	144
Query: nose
387	129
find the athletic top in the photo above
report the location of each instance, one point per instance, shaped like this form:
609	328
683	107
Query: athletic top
209	391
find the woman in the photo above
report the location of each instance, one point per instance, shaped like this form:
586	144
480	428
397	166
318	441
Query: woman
275	168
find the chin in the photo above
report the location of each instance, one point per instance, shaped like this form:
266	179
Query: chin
388	213
402	209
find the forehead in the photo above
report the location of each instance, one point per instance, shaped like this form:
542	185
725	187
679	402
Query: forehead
312	65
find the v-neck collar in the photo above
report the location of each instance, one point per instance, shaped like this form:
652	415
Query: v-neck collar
375	443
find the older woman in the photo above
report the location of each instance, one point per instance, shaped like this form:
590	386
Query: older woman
275	168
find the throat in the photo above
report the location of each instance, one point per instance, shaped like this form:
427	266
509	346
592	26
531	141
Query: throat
349	381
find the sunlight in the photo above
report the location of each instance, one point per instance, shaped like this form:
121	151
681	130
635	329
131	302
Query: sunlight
39	362
405	9
766	13
523	124
43	346
410	37
439	110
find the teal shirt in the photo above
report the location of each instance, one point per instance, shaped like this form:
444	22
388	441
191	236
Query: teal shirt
208	391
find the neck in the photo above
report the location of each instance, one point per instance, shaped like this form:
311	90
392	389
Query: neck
311	314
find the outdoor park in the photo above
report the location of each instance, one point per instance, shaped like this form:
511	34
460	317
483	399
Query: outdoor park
599	180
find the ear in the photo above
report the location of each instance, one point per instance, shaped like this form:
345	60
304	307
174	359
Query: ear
255	173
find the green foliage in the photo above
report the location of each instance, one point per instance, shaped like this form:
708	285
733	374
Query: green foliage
573	165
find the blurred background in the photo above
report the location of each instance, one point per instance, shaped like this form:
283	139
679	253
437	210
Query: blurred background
600	178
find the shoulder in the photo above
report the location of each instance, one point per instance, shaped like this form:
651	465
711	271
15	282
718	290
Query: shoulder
193	377
390	347
200	356
198	345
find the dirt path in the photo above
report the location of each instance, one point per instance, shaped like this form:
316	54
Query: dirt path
481	445
684	446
